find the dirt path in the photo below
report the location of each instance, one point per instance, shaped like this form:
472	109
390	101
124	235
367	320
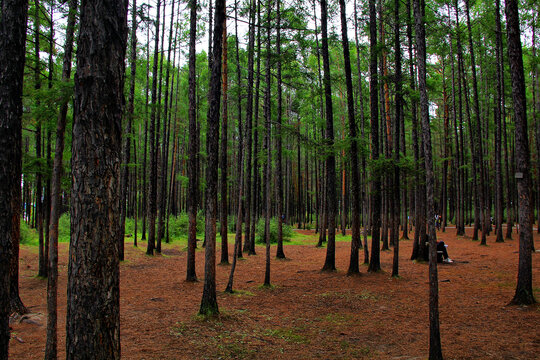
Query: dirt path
308	314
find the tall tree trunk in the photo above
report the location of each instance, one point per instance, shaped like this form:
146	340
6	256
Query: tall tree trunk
267	147
93	290
192	161
524	292
330	261
481	178
280	254
13	17
127	133
397	128
153	146
498	130
435	350
355	174
375	216
223	152
42	265
249	128
51	348
362	119
209	304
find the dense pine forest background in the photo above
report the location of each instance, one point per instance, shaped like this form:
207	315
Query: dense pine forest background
187	121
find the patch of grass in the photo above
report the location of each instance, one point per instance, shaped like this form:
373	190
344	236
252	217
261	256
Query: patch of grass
349	295
29	236
337	318
288	334
181	329
259	231
242	293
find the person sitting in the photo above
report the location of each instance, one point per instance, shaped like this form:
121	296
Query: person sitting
442	253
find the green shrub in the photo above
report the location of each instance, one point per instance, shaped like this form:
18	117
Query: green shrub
259	231
64	227
28	236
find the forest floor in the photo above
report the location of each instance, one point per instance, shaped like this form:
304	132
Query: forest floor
307	314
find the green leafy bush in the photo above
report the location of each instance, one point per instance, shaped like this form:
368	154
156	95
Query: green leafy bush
259	231
28	236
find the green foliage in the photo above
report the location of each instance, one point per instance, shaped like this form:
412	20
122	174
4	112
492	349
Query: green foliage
259	231
29	236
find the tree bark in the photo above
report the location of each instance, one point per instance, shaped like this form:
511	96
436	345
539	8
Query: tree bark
375	261
93	295
51	347
524	292
330	261
192	161
435	349
209	304
13	17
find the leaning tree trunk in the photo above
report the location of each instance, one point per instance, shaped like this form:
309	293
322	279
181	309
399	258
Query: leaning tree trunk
524	292
93	290
13	16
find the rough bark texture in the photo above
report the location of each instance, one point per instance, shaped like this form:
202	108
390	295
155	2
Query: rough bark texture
524	292
330	261
93	294
51	347
209	304
375	260
13	18
192	161
435	350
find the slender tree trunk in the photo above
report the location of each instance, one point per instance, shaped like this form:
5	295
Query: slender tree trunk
375	216
397	128
484	208
127	133
524	291
330	261
153	145
435	349
249	129
192	161
355	174
280	254
209	304
223	153
267	147
498	130
93	295
51	348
